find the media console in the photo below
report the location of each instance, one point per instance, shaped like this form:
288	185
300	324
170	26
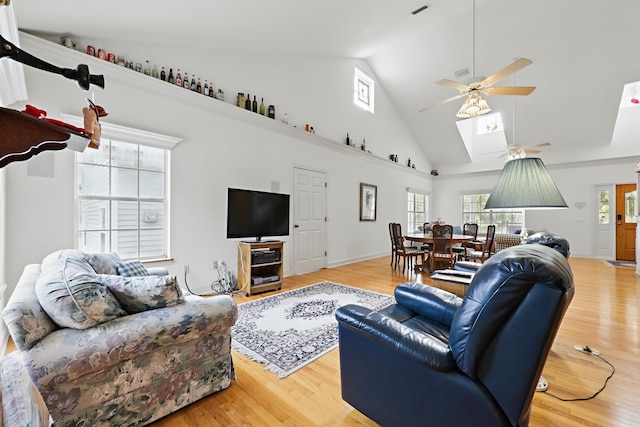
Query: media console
260	266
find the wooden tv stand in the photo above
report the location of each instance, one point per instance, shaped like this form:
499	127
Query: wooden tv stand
252	269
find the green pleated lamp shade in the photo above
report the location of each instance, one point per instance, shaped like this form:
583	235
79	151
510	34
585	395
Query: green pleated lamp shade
526	184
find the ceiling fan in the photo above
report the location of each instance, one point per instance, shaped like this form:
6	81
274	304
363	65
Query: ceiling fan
519	151
485	86
475	105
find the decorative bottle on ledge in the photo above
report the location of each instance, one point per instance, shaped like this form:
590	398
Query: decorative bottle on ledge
262	109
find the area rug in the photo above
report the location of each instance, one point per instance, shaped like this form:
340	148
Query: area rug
292	329
625	264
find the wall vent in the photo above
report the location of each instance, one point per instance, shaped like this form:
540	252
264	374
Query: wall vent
462	72
420	9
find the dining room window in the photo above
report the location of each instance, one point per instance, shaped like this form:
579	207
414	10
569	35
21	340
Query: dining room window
506	221
417	209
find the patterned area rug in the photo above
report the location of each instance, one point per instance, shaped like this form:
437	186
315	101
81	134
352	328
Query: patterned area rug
625	264
292	329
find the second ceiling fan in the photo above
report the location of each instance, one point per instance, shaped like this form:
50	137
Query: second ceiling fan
475	105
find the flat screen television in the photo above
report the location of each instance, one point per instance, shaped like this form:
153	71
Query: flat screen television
256	214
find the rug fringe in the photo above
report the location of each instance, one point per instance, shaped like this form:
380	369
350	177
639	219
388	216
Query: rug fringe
255	357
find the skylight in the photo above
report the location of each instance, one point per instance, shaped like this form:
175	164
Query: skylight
490	123
483	136
627	125
630	95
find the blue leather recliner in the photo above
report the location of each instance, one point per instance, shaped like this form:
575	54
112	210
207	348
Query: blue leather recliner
434	359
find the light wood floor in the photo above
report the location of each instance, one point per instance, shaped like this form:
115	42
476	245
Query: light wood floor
603	315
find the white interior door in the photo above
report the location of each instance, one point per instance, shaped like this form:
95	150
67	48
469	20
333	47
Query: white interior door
605	206
309	221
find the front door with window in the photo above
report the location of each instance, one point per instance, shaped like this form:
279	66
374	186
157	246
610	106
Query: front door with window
626	201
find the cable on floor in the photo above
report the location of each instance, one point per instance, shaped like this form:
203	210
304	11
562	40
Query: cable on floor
591	352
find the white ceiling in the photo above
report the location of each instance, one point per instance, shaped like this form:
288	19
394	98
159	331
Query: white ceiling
583	54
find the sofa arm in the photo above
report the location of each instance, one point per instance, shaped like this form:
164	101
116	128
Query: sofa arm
410	343
157	271
432	303
72	353
28	323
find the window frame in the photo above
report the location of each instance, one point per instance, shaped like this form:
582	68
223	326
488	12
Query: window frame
493	216
141	139
604	215
427	199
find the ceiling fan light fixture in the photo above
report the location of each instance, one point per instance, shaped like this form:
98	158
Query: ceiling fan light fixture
474	106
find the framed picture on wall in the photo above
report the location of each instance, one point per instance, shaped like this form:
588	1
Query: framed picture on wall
368	201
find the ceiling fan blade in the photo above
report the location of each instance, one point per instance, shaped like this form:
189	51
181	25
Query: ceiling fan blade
493	152
509	90
456	85
453	98
516	65
530	151
544	144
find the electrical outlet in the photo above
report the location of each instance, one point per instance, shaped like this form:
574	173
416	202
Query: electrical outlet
185	269
215	264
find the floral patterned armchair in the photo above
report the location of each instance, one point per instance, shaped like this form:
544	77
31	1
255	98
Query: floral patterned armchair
106	349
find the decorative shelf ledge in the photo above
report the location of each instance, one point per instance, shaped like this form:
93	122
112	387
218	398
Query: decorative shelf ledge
62	56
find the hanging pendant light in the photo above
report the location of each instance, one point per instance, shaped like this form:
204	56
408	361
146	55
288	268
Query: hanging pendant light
525	183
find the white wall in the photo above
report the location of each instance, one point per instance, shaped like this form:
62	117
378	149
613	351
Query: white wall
576	182
221	150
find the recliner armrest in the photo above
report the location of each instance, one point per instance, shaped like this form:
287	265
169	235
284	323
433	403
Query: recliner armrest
410	343
432	303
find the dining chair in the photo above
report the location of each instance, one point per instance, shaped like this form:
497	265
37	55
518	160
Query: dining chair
442	246
468	229
486	250
405	252
426	228
394	255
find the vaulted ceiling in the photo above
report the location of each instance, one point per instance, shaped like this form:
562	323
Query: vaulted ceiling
583	54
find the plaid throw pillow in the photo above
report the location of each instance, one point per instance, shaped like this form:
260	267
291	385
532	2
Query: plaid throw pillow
131	269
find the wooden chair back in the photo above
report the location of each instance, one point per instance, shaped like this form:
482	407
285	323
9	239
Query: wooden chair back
489	248
398	239
470	229
442	245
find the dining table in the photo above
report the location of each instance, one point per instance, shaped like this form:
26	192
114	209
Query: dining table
422	237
